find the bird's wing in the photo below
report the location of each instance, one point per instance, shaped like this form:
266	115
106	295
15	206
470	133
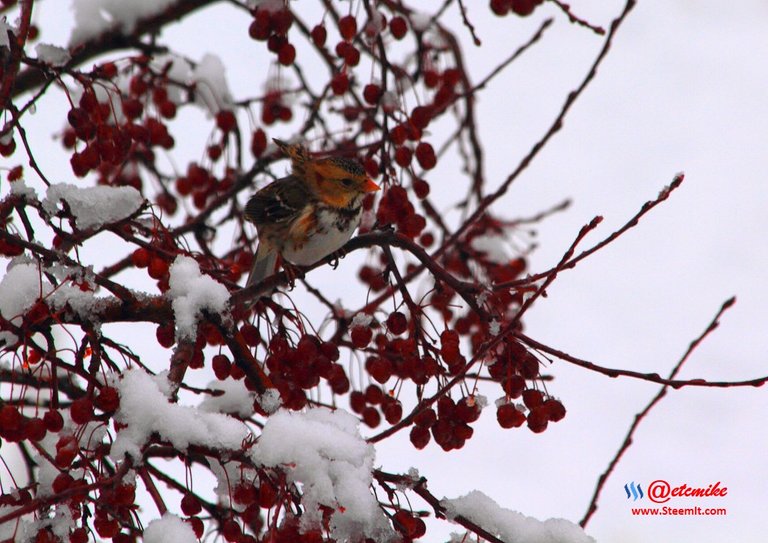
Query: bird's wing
279	202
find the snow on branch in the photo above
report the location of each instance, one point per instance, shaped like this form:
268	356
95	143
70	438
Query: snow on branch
145	409
323	450
510	525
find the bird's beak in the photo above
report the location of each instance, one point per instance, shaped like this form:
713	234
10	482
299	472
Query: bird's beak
370	186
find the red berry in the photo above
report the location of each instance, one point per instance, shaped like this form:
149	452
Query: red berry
524	7
258	142
340	83
62	482
190	505
393	412
221	366
425	418
78	535
10	419
555	410
81	411
357	401
250	335
231	530
425	154
372	93
167	109
165	335
398	134
140	257
282	21
420	117
319	35
361	336
287	54
108	399
538	420
348	27
53	420
397	323
379	368
509	416
132	108
158	268
403	156
420	436
371	417
260	28
421	188
226	120
500	7
532	398
267	495
106	527
398	27
374	395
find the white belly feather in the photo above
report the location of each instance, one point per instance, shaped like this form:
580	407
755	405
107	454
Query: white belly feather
327	239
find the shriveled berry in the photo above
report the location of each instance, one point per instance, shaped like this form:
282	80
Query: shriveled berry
538	419
361	336
509	416
532	398
555	410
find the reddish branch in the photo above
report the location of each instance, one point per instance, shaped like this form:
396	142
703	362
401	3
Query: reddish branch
110	40
639	417
650	377
419	487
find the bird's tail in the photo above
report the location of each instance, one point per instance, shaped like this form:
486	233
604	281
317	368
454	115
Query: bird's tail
264	265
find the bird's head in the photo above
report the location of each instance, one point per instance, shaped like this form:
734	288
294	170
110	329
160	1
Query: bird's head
338	181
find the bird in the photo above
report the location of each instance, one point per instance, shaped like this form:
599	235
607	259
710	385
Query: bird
308	214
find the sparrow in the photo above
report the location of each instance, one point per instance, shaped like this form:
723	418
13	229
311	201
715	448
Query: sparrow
309	214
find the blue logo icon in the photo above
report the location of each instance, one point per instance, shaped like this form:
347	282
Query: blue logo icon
634	491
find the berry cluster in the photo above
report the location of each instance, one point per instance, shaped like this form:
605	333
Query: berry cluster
296	369
365	404
272	25
450	425
395	208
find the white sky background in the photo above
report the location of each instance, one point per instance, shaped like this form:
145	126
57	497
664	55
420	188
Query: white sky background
684	88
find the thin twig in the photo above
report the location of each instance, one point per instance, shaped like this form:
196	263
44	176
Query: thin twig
639	417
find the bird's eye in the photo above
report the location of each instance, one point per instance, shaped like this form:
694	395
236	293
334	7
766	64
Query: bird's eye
347	182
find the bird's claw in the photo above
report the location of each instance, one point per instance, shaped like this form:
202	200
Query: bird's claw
334	257
292	273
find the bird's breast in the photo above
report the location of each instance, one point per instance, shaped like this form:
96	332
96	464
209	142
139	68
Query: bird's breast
332	230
